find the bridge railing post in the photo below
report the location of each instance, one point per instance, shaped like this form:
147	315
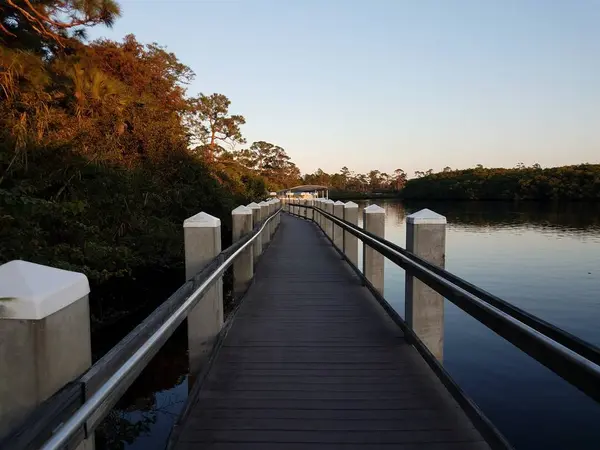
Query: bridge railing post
243	266
44	337
321	221
272	223
351	241
328	207
373	261
257	246
338	233
202	242
424	307
310	212
265	235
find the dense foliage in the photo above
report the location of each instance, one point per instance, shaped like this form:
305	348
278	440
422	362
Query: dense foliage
581	182
102	153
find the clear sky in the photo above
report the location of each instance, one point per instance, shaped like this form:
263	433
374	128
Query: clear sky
394	84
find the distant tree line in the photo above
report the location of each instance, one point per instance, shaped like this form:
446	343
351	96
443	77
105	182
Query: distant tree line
348	181
578	182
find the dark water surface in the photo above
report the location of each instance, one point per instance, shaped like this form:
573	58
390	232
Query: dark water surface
543	258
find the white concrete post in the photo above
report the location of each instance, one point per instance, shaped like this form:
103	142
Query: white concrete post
310	212
317	216
328	223
321	217
202	242
271	223
44	337
374	222
351	241
278	218
426	238
257	246
265	235
243	266
338	232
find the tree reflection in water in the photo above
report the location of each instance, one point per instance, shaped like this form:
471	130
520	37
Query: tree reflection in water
144	416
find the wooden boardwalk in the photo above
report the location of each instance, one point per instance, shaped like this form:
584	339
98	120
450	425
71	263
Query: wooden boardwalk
312	361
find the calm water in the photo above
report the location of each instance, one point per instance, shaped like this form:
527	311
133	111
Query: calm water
542	258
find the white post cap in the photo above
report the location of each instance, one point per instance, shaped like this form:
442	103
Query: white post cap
350	205
202	220
31	291
374	209
338	203
241	210
263	203
253	205
426	217
327	200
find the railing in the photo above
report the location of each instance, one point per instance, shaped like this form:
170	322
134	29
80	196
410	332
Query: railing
571	358
73	413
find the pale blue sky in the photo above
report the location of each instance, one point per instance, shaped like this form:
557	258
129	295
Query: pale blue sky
394	84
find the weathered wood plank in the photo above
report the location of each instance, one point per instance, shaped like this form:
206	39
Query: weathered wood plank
313	362
324	446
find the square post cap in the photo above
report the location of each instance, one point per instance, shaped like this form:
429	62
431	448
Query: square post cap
350	205
426	217
202	220
30	291
374	209
241	210
253	205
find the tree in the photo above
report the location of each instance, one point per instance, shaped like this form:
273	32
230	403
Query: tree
374	179
399	178
45	25
447	169
270	161
210	123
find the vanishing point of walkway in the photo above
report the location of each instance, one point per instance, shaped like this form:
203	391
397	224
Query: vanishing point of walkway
312	361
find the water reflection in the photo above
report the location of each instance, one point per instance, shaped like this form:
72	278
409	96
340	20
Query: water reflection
144	416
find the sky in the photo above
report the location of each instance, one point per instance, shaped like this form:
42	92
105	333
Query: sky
378	84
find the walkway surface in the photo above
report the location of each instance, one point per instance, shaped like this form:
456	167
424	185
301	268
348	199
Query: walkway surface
312	361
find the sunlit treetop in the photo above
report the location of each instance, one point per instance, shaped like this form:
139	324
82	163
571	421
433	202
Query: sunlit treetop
42	25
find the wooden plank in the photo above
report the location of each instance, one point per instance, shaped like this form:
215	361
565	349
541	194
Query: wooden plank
312	361
324	446
409	422
332	437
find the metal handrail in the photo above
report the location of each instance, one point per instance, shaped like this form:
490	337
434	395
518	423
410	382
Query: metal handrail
565	358
563	337
142	356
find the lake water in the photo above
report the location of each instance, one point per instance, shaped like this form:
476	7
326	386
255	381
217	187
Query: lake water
543	258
